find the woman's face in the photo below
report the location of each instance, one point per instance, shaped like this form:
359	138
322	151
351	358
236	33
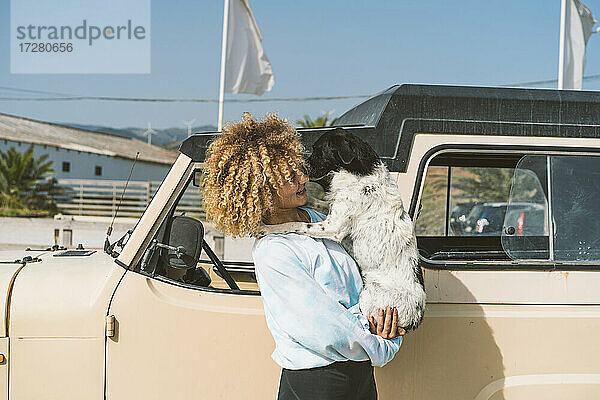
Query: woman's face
292	195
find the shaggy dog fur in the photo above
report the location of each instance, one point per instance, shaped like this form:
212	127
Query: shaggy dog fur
368	218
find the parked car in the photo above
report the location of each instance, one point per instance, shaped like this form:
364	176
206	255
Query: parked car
496	218
486	218
458	217
148	320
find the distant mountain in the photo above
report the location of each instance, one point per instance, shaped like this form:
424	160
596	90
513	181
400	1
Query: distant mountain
162	137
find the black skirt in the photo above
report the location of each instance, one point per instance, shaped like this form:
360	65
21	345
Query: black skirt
348	380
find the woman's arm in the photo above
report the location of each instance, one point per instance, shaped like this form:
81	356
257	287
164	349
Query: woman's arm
306	313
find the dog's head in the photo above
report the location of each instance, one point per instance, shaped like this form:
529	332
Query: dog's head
339	150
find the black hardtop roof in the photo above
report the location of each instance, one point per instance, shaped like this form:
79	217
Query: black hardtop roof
389	120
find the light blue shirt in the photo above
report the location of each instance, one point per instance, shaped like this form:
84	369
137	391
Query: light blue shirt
310	289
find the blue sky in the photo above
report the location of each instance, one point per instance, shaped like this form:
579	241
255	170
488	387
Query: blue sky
316	48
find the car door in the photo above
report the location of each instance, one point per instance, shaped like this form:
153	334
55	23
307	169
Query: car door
179	342
512	315
176	339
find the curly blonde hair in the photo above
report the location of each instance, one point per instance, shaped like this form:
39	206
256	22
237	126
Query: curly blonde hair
244	168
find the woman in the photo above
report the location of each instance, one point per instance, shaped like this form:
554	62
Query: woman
310	287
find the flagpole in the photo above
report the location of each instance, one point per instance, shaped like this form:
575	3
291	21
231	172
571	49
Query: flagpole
223	58
561	46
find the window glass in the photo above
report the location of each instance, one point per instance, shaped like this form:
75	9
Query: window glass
574	207
218	260
190	204
463	205
575	204
478	197
477	203
433	203
525	232
488	207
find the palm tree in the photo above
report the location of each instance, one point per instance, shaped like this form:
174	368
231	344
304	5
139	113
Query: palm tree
22	180
322	120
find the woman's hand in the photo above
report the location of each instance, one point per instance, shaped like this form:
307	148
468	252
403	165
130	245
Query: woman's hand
386	324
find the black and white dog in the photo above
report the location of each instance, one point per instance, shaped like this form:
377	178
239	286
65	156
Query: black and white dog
367	216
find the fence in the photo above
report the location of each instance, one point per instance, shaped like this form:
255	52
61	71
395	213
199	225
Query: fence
101	198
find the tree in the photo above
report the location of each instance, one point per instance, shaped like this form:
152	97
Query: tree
322	120
22	180
484	184
431	219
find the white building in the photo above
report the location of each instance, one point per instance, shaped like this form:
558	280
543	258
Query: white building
81	154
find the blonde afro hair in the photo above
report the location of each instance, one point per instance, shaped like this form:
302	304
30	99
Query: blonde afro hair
244	167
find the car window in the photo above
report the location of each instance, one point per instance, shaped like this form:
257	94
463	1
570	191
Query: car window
432	212
218	267
504	207
190	203
464	201
525	235
574	204
576	207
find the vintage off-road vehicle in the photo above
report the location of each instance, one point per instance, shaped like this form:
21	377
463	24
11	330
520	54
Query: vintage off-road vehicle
506	186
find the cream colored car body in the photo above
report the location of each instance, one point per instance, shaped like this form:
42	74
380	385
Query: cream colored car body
486	335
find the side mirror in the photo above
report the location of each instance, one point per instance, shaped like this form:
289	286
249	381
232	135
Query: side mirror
185	243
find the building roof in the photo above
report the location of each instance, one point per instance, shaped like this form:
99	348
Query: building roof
19	129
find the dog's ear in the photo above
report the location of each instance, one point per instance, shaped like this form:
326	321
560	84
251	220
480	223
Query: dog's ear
344	151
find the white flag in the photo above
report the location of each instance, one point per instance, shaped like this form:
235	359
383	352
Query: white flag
247	68
579	26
